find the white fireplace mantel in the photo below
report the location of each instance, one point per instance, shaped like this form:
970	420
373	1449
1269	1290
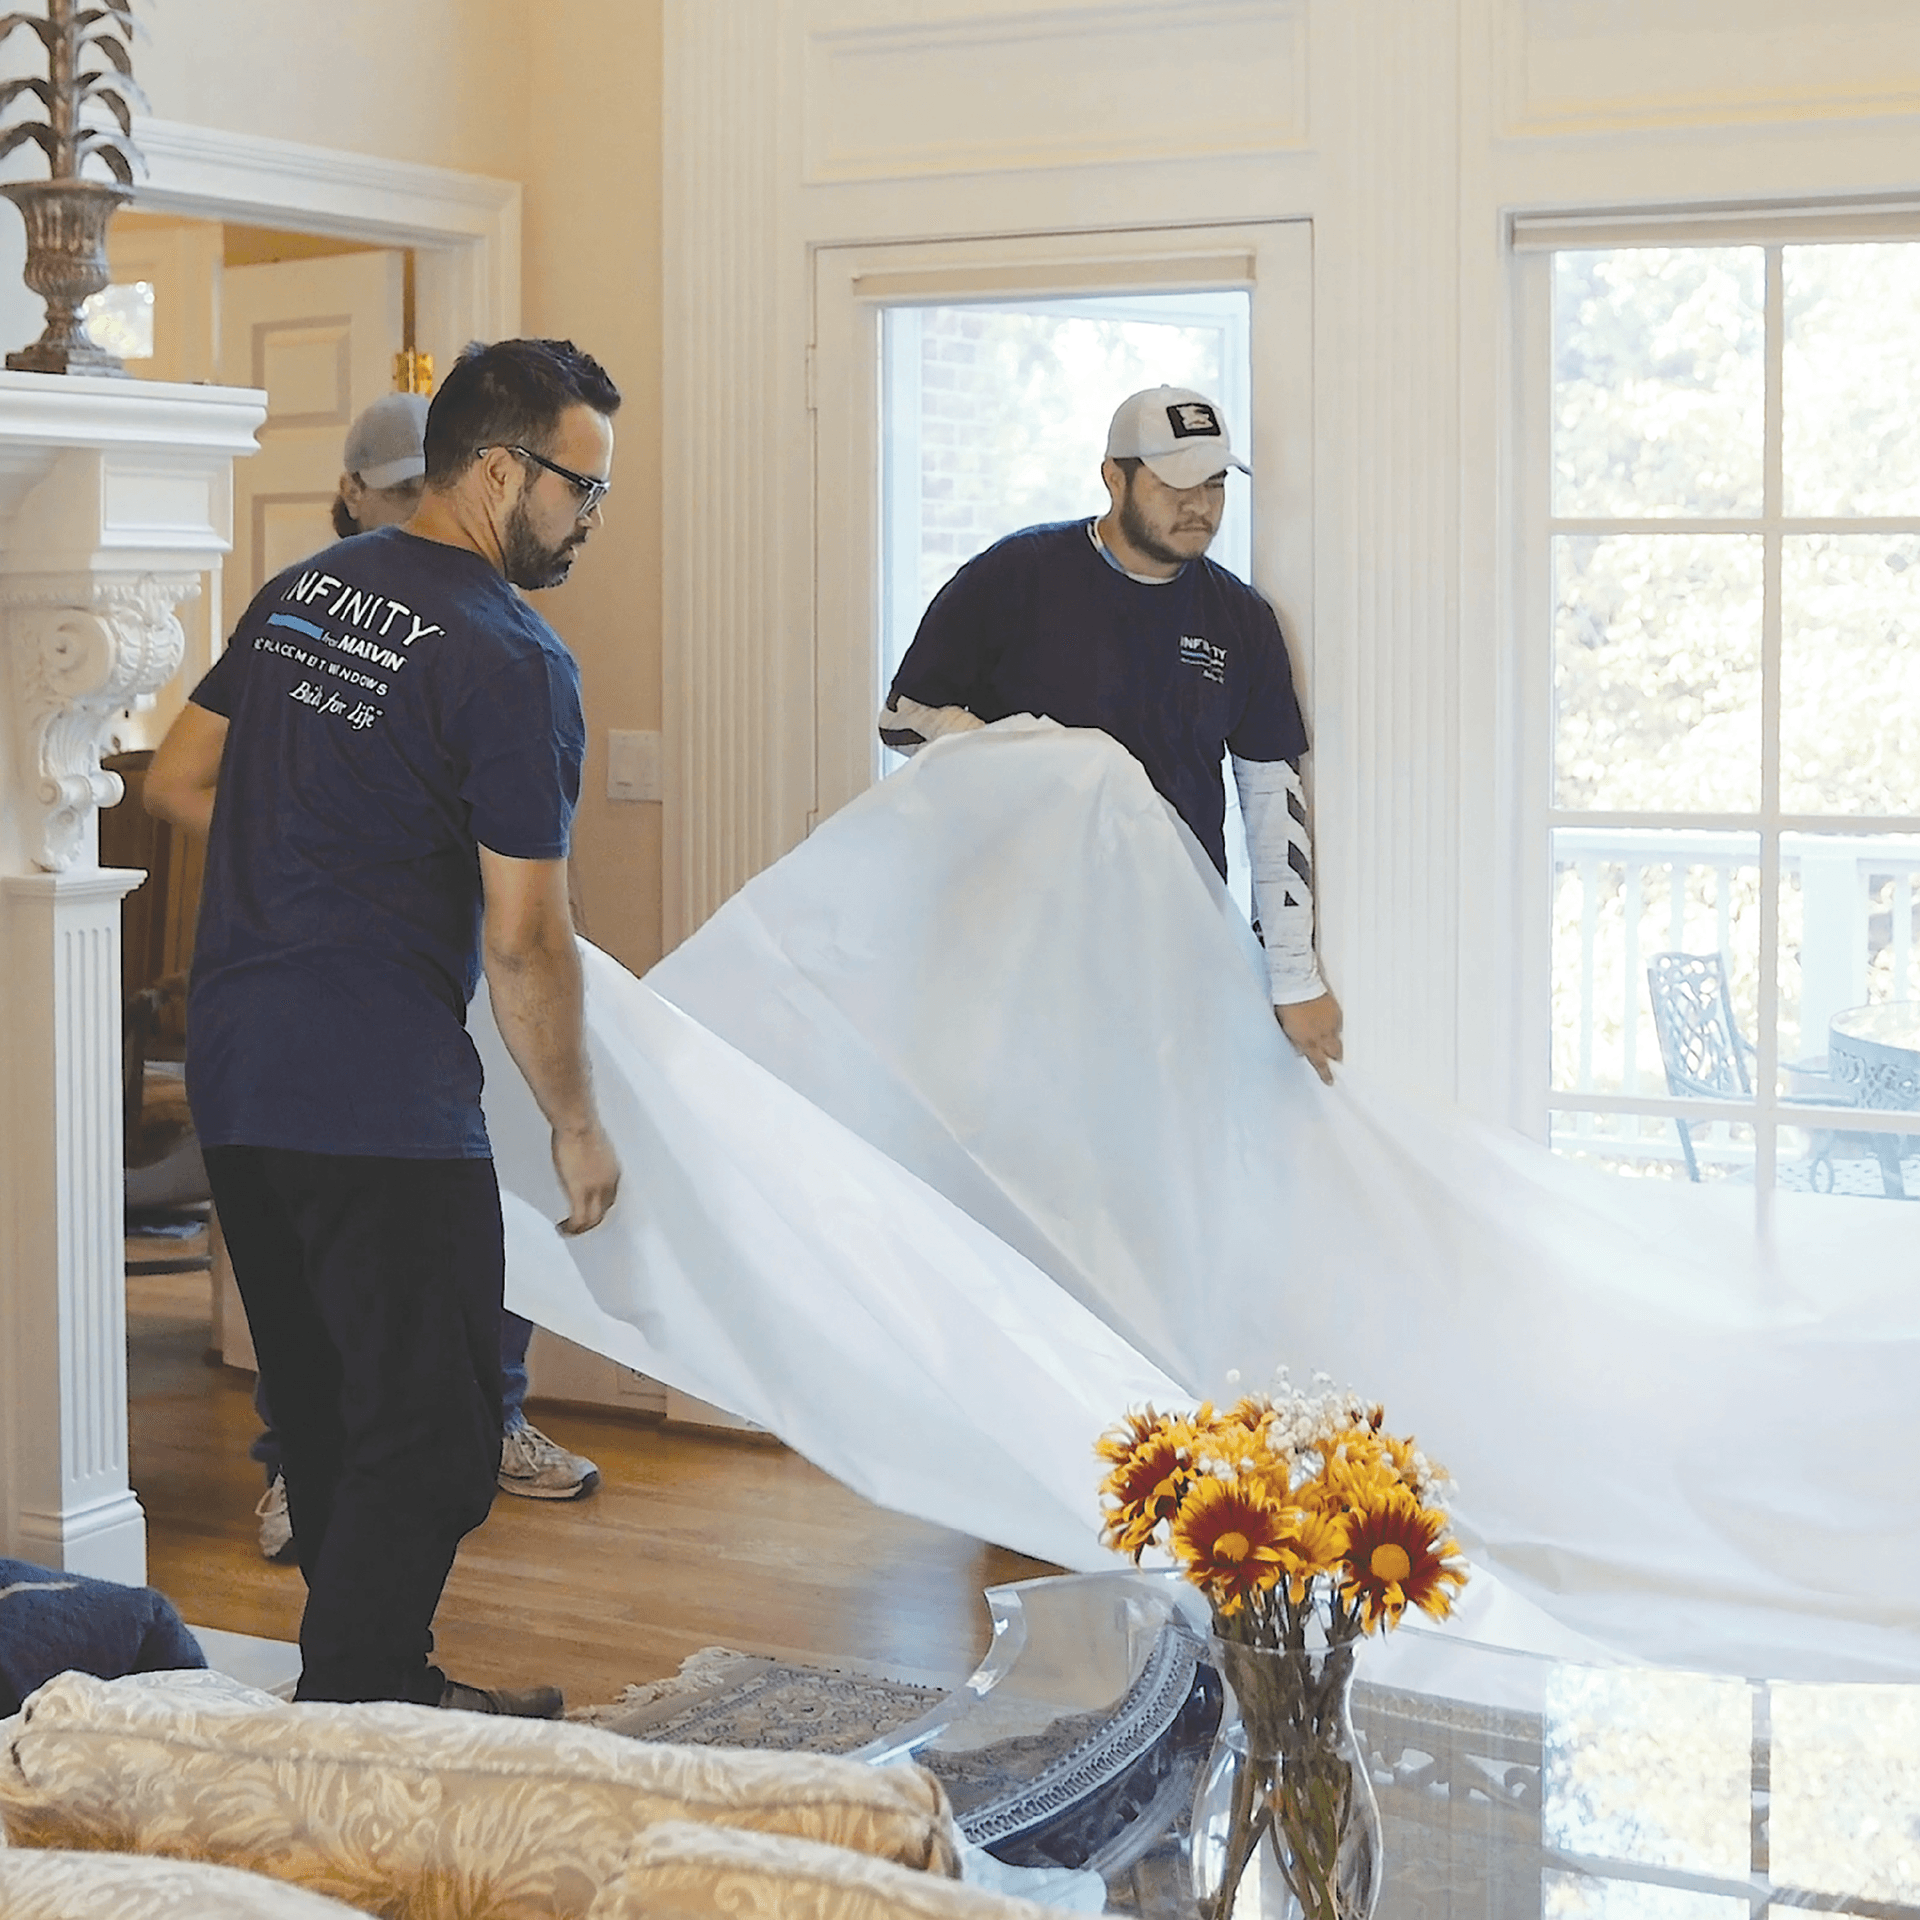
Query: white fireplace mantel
116	499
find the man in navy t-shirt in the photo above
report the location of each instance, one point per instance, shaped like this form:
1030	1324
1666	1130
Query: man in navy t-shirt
1122	623
388	750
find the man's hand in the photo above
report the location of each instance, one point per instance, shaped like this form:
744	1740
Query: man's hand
1314	1028
590	1174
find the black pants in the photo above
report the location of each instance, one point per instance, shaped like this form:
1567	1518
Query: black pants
372	1289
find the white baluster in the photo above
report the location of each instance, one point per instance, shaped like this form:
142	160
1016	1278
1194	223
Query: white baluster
1634	905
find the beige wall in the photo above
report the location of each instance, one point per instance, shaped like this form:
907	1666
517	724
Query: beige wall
567	101
591	258
439	82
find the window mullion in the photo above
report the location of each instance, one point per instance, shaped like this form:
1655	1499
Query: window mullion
1767	1038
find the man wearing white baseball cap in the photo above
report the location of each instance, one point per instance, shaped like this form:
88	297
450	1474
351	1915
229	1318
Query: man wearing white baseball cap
1124	624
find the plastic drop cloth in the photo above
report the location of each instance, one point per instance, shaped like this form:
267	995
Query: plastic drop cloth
967	1125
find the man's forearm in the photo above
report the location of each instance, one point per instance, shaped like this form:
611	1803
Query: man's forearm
539	1005
185	770
906	725
1280	852
189	809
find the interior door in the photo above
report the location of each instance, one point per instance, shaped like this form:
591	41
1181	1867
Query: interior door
319	336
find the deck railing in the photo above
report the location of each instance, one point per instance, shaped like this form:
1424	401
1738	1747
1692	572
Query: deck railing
1622	894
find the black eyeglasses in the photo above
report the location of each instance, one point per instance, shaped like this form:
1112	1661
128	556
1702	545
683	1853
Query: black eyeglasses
590	490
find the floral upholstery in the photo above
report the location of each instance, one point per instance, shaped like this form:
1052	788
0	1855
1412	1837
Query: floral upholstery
44	1885
678	1871
411	1812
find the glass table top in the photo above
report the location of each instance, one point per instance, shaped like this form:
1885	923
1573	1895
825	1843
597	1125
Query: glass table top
1888	1023
1512	1786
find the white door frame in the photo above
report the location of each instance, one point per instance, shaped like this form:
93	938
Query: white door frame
464	227
852	285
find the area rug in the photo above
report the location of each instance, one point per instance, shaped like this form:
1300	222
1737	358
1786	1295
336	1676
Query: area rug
720	1698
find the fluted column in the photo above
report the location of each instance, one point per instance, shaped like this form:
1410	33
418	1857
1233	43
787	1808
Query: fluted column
1387	592
66	1385
114	495
735	664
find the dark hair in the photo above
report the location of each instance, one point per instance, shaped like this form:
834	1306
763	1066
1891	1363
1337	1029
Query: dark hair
345	526
510	394
1128	463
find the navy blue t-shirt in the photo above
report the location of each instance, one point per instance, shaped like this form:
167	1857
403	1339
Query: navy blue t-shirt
1177	672
393	705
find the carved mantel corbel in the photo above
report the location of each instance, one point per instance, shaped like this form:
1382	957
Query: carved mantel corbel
85	647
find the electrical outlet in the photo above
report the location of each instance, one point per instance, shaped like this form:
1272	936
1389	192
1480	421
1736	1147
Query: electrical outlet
633	765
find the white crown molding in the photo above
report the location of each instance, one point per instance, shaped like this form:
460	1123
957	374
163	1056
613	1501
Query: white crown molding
221	175
467	225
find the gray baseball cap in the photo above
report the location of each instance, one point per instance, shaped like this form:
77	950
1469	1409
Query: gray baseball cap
387	444
1177	432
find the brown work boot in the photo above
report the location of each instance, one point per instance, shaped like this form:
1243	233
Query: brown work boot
524	1703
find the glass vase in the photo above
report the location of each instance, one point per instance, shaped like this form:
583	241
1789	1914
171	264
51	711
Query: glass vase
1284	1821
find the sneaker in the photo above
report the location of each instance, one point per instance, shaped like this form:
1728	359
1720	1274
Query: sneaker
533	1466
276	1526
523	1703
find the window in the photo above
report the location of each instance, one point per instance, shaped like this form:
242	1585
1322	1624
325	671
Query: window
993	418
1731	551
120	318
962	388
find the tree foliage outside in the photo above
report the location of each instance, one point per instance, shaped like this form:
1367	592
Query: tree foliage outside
1014	406
1658	412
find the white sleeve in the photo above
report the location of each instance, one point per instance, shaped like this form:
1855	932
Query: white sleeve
906	726
1280	852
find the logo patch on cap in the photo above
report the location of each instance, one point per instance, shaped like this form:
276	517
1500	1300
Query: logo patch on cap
1194	420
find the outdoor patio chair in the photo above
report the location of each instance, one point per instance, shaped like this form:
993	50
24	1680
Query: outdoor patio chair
1706	1057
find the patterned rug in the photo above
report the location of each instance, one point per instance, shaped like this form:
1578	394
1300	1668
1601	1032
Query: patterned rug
720	1698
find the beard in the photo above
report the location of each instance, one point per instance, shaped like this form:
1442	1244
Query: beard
1145	540
526	560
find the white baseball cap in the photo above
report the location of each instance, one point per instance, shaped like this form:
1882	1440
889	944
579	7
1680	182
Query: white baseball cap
387	444
1177	432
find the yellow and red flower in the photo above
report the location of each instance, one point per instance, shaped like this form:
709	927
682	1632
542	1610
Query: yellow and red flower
1232	1541
1306	1500
1398	1556
1154	1466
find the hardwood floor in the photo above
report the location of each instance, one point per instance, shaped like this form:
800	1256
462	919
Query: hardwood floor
691	1541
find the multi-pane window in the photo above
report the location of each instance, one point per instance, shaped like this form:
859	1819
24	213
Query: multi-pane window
1734	550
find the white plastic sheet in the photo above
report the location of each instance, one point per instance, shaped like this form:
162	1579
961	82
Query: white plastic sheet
967	1125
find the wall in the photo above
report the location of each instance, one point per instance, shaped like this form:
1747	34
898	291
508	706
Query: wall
439	82
592	253
567	101
1408	132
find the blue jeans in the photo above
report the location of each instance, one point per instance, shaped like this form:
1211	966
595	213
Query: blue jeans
515	1333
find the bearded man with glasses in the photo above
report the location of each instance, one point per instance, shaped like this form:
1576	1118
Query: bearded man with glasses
386	759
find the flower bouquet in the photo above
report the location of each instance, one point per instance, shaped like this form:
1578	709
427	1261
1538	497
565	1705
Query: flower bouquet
1306	1525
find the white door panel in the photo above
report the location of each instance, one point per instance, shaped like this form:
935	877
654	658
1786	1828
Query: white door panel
319	336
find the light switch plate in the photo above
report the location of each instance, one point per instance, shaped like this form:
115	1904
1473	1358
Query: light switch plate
633	765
